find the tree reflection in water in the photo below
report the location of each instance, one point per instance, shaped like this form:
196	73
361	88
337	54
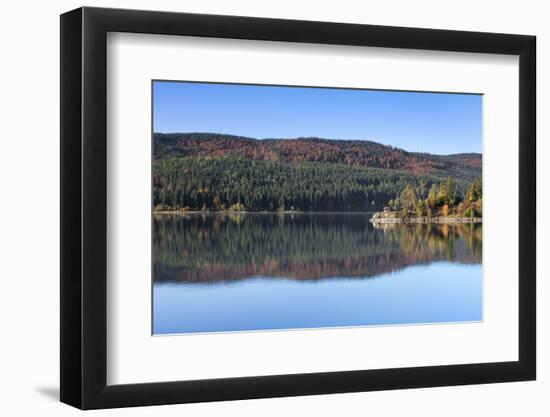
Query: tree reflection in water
215	247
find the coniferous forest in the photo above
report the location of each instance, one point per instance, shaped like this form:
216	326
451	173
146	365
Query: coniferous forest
214	172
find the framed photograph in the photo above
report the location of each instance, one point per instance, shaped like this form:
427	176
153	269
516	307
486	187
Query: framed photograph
258	208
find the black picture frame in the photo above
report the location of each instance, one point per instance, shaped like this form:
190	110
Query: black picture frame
84	207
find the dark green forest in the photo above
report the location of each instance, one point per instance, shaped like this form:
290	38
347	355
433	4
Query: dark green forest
211	172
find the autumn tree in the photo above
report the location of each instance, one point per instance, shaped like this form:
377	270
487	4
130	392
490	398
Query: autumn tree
421	190
445	200
432	196
421	208
408	198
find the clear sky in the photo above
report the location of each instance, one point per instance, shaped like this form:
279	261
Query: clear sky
421	122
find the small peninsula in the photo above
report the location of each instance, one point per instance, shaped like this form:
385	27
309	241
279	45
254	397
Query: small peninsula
442	204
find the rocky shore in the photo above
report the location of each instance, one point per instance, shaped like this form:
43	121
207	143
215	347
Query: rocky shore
396	217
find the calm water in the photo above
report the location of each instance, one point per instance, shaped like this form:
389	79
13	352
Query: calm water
219	272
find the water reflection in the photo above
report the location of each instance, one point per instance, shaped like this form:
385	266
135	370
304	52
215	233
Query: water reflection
211	247
242	272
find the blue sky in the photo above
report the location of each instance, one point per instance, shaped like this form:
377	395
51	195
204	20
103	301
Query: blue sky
420	122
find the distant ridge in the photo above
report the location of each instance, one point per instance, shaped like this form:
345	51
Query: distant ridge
353	152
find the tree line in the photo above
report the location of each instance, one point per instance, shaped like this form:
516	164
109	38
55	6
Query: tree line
233	183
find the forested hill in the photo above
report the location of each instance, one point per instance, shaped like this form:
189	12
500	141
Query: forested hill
207	171
362	153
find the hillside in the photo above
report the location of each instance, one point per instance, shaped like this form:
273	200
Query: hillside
361	153
205	171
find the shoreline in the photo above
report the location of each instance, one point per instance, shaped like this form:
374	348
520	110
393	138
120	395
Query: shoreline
426	220
373	218
165	212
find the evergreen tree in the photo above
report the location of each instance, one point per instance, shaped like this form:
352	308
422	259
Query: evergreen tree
450	188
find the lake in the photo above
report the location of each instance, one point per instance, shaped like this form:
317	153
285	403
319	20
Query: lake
215	272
